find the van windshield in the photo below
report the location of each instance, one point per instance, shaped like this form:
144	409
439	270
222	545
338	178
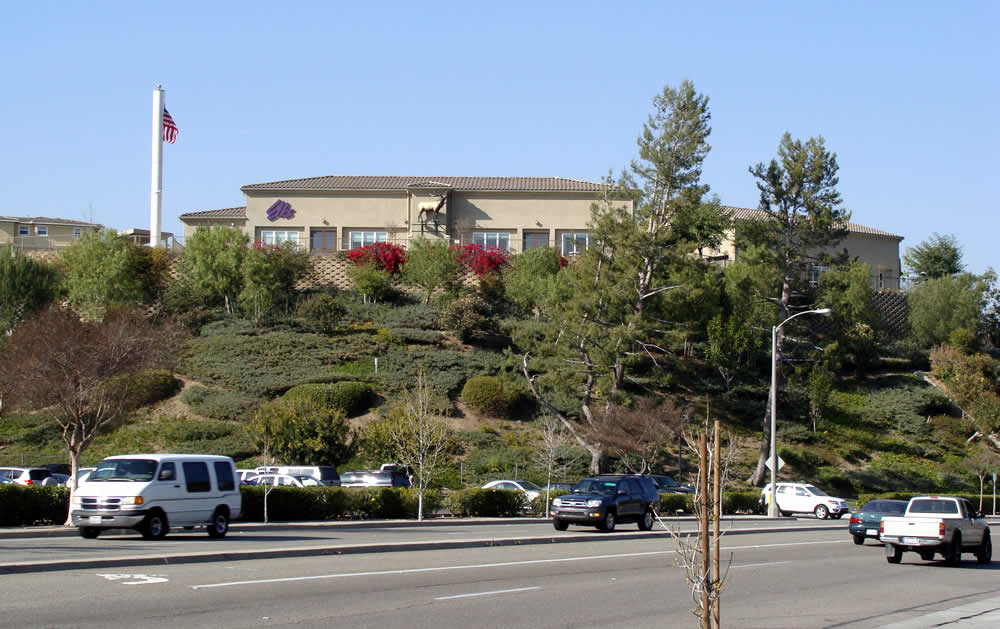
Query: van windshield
131	470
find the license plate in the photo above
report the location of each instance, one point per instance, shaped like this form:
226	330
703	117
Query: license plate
872	532
94	519
909	540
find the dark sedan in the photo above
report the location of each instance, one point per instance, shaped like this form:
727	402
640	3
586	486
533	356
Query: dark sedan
865	523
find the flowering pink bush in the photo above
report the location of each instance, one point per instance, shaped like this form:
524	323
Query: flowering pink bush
481	260
386	256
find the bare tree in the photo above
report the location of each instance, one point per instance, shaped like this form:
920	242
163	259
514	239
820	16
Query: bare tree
982	464
699	554
83	372
553	447
420	441
639	435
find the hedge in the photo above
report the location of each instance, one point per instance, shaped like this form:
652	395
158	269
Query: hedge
33	505
496	503
285	504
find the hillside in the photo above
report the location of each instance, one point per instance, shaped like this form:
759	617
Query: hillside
882	431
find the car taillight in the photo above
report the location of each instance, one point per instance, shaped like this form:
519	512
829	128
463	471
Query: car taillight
941	529
881	527
855	519
29	482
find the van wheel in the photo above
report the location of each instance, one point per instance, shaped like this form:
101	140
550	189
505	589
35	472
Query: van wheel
220	524
90	532
155	525
821	512
559	525
646	523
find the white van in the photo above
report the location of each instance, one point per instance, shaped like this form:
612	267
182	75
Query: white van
152	492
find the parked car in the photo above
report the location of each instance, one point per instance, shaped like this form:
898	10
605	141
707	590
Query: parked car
244	475
558	487
152	492
667	485
943	525
530	489
284	480
5	481
375	478
865	523
83	473
326	473
25	475
805	498
56	479
605	500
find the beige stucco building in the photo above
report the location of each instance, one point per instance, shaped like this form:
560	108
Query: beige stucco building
338	213
40	233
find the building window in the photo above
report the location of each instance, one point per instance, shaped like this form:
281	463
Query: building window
360	239
22	230
42	230
270	237
575	242
77	232
815	272
323	241
537	240
492	240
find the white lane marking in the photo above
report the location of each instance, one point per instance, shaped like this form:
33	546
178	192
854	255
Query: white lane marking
346	575
143	578
756	565
446	598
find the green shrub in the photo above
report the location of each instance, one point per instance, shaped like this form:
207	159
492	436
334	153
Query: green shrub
335	503
147	387
416	335
351	398
222	404
485	503
488	394
467	315
321	313
28	506
445	370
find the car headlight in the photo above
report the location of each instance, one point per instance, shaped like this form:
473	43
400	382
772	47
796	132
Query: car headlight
76	501
593	503
557	502
132	500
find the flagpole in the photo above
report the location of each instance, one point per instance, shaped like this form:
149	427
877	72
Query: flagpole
156	186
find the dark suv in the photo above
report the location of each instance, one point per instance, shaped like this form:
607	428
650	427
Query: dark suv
605	500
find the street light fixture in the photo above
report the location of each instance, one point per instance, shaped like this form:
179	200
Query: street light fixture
772	507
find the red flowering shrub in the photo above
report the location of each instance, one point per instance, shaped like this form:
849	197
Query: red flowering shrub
386	256
481	260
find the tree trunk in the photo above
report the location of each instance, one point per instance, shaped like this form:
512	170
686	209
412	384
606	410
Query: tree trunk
74	467
420	504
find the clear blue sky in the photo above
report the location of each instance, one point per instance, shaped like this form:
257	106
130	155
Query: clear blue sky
906	94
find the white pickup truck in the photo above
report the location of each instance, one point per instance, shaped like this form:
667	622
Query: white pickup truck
937	524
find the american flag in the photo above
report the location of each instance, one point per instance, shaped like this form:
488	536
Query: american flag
169	128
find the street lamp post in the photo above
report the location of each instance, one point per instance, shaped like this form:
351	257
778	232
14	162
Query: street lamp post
772	507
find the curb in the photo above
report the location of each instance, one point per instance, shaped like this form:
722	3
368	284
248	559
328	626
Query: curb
348	549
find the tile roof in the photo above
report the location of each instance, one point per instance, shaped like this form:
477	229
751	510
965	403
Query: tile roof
44	220
229	212
751	214
493	184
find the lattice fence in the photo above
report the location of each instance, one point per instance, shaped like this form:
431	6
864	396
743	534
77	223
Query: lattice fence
893	312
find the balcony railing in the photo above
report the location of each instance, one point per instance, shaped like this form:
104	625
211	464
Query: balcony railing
41	243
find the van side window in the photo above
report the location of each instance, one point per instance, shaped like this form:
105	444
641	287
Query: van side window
167	471
196	475
224	476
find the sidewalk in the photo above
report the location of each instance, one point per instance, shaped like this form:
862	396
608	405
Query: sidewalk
983	614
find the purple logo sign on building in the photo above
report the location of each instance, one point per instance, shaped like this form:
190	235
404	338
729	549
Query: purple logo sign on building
280	209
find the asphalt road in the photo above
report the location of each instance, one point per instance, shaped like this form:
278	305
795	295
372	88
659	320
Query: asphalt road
795	578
